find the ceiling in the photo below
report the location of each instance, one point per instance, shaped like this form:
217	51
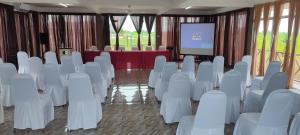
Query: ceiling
134	6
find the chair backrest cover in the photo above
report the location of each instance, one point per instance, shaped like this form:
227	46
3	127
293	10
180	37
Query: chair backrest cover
23	62
242	68
52	76
273	68
276	112
211	111
188	64
1	61
148	48
179	85
67	65
162	48
218	64
93	69
277	81
24	89
79	87
77	59
159	63
134	49
205	71
104	67
168	70
231	84
248	60
50	58
107	57
121	48
36	65
107	48
7	71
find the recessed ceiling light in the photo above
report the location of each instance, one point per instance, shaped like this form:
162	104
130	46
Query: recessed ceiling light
188	7
63	4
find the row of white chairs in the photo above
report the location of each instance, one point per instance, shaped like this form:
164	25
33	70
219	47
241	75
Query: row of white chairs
121	48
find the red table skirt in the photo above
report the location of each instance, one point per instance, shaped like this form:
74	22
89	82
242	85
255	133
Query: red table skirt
129	59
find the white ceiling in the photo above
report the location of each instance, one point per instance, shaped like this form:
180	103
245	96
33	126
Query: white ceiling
135	6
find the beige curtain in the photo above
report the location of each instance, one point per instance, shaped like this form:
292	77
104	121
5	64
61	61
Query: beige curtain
220	33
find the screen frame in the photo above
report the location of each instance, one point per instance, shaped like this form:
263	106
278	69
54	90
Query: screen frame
214	44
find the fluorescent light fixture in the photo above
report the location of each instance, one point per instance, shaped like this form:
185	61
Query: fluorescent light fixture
188	7
64	5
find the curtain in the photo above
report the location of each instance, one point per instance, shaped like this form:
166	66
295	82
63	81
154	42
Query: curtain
149	20
54	31
102	31
138	23
256	22
220	35
117	23
34	32
158	32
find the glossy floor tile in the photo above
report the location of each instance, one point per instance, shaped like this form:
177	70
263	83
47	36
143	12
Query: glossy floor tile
131	109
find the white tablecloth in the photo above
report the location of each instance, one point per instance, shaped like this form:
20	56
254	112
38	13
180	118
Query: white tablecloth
296	107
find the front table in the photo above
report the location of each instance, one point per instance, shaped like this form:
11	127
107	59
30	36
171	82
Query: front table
129	59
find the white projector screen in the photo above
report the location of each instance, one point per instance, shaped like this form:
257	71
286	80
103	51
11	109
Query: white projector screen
197	38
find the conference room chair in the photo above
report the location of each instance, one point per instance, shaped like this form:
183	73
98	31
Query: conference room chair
295	126
37	72
188	67
204	80
157	70
273	120
50	58
121	48
104	69
135	49
107	48
84	110
1	113
107	57
241	67
176	101
148	48
23	62
231	86
93	48
218	70
32	110
162	83
162	48
256	99
7	71
1	61
99	84
209	118
77	60
67	66
260	82
55	85
248	60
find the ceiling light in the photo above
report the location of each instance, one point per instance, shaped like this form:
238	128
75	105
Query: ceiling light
64	5
188	7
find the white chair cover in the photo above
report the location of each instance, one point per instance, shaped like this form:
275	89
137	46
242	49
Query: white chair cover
37	72
31	109
261	82
209	119
23	62
107	48
188	67
107	57
255	100
273	120
176	101
218	70
204	80
231	86
50	58
78	63
93	48
1	112
121	48
162	48
163	82
156	71
7	71
148	48
67	66
241	67
99	84
135	49
1	61
55	85
295	126
84	109
104	69
248	60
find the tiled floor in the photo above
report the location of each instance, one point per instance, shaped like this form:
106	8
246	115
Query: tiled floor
131	109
